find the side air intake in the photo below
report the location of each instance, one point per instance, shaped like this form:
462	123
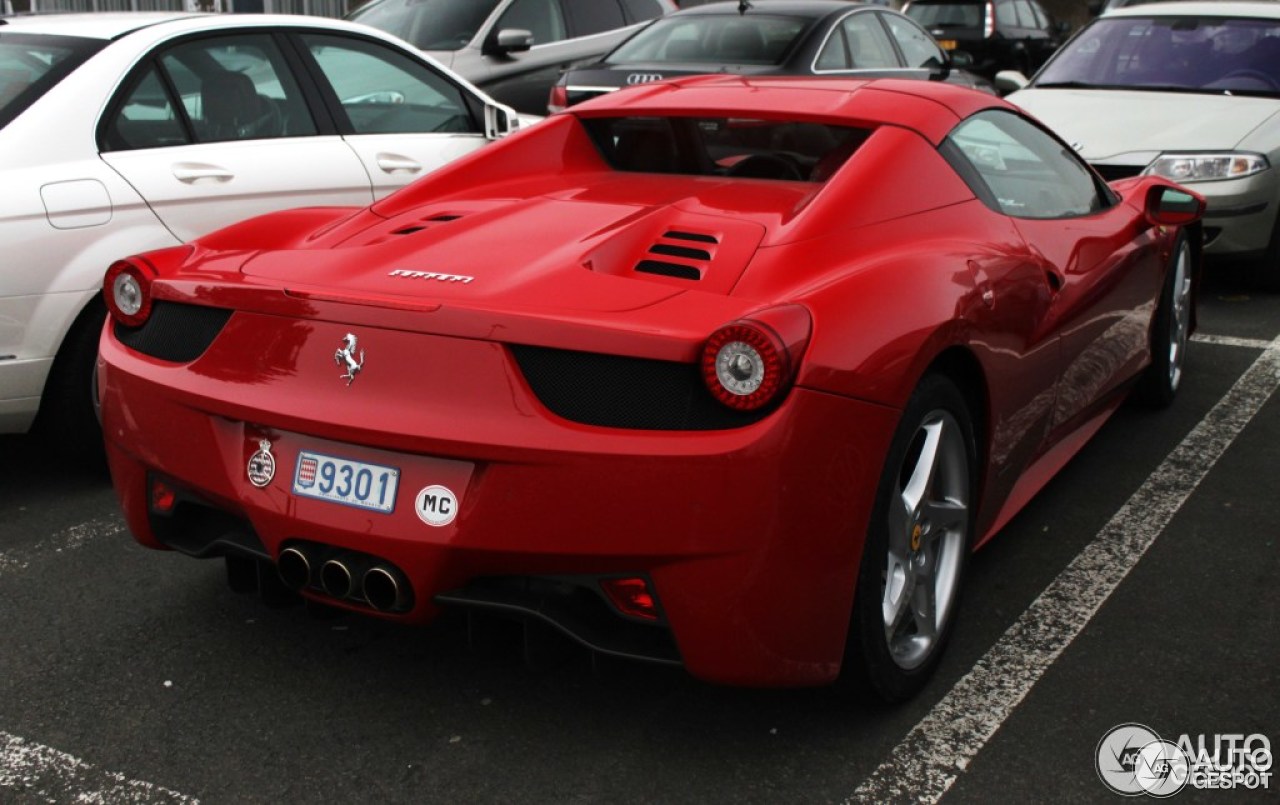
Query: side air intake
689	263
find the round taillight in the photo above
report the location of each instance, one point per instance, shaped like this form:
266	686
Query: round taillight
128	293
745	365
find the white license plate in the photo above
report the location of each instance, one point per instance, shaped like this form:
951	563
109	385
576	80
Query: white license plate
351	483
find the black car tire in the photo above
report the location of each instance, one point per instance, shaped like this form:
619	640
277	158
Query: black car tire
68	418
895	660
1170	331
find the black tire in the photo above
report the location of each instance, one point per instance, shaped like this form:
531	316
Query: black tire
1170	332
68	418
895	660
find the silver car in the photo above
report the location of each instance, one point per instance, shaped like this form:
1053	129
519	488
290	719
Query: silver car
1188	90
512	49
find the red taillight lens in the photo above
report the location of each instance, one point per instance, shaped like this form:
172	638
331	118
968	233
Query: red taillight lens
127	290
632	597
559	99
163	497
750	363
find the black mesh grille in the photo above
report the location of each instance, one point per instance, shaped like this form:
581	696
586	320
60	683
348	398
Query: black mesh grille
1113	172
619	392
175	332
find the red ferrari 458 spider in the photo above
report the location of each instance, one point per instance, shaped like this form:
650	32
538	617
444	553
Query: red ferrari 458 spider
721	372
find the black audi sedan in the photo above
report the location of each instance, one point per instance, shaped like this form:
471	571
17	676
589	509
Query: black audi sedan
768	37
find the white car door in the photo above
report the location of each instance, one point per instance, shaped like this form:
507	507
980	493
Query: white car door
400	116
215	130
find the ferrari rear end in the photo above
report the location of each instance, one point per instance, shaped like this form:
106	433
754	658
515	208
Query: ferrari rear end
392	435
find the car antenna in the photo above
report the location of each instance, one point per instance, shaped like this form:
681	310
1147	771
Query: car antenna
743	5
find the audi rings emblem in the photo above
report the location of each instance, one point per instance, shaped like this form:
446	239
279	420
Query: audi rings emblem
643	78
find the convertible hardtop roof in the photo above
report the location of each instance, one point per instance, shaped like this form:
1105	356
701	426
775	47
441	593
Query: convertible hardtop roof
932	108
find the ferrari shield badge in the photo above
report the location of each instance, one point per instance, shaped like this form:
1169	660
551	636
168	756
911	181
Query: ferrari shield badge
346	358
262	465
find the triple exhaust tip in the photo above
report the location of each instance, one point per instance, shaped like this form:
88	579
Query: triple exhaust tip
383	587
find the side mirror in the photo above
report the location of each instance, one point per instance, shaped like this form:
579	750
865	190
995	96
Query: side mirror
961	59
1011	81
510	40
1172	206
499	121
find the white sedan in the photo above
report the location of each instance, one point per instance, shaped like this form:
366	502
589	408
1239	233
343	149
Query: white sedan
122	133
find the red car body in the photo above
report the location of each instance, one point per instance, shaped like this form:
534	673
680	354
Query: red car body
511	351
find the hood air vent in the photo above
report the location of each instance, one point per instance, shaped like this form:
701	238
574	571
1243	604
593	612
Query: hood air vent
425	222
698	258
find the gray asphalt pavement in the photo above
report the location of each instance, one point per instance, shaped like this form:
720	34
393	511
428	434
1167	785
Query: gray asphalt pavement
128	675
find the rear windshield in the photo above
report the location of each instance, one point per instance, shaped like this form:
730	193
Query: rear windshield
947	15
1189	54
31	64
732	147
712	39
428	24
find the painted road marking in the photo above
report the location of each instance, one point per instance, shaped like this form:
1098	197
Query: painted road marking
39	771
937	750
1231	341
66	540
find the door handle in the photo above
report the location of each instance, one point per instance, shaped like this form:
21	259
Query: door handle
192	172
395	163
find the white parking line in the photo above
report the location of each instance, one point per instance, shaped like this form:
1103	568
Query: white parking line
938	749
66	540
41	772
1231	341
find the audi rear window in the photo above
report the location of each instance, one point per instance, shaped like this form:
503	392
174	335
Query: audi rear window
730	147
31	64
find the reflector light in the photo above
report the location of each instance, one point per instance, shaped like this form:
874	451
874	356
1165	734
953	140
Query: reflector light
127	289
163	497
744	365
559	99
632	597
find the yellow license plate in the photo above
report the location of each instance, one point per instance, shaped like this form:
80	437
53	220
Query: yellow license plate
947	44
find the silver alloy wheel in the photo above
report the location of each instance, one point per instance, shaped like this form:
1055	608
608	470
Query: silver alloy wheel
1180	315
928	532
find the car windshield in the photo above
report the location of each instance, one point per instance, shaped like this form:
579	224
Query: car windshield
732	147
30	65
712	39
946	15
428	24
1188	54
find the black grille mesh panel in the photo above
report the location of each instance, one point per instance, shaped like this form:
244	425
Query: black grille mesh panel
174	331
613	391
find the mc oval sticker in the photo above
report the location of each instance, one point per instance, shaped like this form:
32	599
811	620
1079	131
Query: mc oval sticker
436	505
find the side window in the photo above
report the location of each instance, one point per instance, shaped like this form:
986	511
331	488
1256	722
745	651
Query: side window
146	118
1026	18
595	16
835	53
639	10
237	88
386	92
543	18
1025	172
917	46
869	45
1042	19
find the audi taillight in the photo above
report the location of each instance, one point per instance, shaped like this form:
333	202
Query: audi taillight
127	290
559	99
750	363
